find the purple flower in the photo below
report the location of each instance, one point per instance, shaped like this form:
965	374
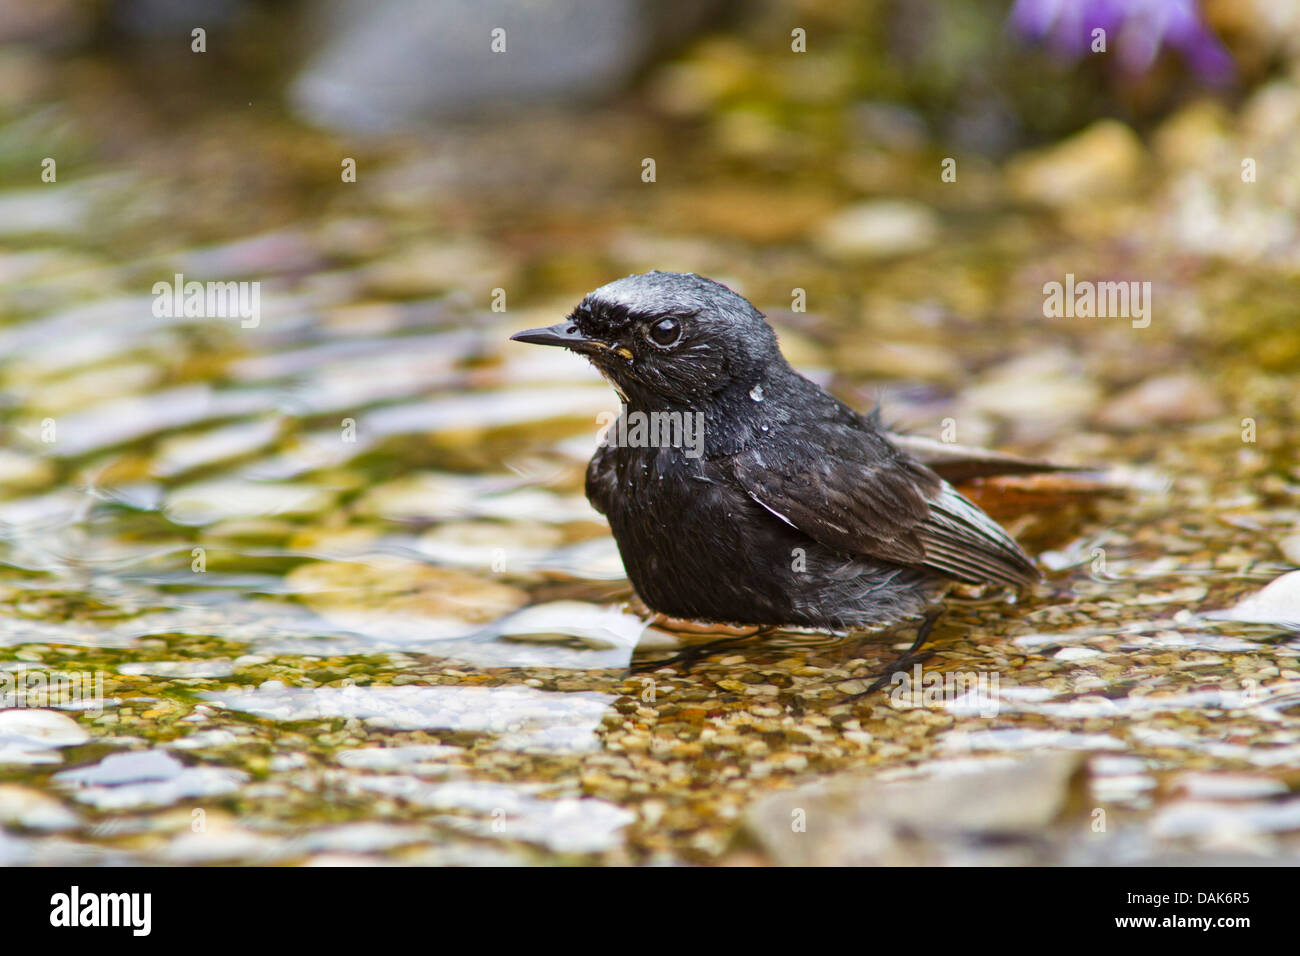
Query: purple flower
1137	28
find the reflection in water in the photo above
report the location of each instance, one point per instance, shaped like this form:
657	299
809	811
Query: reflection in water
144	779
518	717
563	825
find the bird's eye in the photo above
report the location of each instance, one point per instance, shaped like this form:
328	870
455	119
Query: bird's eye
665	332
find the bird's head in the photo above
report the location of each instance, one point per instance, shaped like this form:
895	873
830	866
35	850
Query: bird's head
670	336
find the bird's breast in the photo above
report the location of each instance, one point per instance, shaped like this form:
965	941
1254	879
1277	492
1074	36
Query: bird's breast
691	540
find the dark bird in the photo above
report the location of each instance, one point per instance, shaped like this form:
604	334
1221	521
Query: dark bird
786	507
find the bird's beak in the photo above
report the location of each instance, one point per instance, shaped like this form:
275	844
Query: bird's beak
567	335
564	333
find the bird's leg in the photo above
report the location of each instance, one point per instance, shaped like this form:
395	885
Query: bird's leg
908	657
689	656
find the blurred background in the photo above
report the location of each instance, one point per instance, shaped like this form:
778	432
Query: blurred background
333	567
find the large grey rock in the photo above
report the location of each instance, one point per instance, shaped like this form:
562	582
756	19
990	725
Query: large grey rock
389	63
854	819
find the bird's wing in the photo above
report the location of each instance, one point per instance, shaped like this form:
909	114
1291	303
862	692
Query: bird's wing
602	480
850	489
960	463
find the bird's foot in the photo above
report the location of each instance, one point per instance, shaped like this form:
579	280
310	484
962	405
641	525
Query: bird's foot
689	656
909	657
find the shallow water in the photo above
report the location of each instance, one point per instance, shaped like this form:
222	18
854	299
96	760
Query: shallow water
327	588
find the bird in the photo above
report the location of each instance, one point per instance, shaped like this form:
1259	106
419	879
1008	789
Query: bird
768	502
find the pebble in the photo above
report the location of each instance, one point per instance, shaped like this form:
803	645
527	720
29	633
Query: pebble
29	809
1102	161
31	736
1164	400
878	229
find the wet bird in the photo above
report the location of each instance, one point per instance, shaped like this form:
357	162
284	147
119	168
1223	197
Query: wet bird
792	508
